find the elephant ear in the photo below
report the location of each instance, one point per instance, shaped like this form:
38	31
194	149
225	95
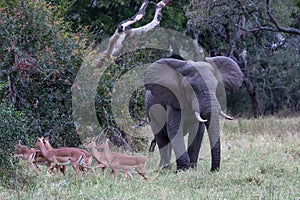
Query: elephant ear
165	82
229	70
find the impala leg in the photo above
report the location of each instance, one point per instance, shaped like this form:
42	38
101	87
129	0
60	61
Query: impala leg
62	169
103	171
91	168
102	166
50	167
142	172
85	166
81	168
34	167
76	168
131	177
94	171
115	174
146	177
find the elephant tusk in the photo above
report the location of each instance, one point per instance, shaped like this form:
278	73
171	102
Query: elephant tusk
199	117
226	116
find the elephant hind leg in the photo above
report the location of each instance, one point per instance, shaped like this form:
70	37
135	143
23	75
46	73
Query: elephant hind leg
152	146
165	148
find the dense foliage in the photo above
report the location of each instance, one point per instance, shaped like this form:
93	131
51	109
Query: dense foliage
259	36
13	127
39	59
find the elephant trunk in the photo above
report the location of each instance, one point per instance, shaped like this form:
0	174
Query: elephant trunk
216	157
213	129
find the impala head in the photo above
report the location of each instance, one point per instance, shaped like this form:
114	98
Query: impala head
19	145
90	144
46	140
39	141
102	145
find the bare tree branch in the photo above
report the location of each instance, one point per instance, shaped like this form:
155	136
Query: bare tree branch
156	19
115	42
277	25
125	25
239	33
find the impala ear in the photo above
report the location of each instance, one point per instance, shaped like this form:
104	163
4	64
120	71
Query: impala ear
230	72
39	139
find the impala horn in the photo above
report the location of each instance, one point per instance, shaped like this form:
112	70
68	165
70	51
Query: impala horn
226	116
199	117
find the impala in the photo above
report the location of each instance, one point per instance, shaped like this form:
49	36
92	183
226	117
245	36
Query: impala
99	156
123	162
63	156
34	157
27	154
88	160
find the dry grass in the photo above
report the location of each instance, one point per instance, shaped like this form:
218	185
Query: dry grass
260	160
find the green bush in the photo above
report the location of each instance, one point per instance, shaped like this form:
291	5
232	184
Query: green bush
14	126
40	56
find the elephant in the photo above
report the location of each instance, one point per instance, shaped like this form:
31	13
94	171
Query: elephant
183	97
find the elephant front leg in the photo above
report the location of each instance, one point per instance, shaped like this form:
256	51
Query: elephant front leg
175	133
196	133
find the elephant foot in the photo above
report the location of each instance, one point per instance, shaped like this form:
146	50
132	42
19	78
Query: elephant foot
194	165
181	168
183	163
215	169
166	167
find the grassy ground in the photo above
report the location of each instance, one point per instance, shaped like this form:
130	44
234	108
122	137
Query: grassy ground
260	160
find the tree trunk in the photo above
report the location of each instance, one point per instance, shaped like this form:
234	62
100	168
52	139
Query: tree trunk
250	86
251	89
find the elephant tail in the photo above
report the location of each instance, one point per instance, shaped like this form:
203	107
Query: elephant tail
152	146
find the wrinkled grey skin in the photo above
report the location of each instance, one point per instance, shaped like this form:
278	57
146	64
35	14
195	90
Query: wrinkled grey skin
175	90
